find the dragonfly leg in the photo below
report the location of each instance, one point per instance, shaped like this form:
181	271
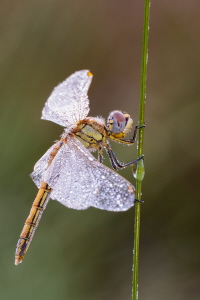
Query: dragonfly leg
136	131
100	155
118	165
140	201
127	141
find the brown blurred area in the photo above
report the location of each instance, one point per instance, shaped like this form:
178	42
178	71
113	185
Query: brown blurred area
88	254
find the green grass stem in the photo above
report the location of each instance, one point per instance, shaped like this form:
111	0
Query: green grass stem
140	167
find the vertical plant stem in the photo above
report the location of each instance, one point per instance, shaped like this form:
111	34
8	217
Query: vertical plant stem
140	167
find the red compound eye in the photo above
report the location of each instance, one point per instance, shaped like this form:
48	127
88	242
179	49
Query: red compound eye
116	121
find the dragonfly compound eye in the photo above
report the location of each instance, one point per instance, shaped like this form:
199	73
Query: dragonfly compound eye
117	121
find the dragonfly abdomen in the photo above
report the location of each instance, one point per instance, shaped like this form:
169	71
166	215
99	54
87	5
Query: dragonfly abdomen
32	221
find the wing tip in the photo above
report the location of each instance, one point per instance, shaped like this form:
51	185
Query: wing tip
90	74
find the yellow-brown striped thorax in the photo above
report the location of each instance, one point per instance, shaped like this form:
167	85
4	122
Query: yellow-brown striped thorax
92	132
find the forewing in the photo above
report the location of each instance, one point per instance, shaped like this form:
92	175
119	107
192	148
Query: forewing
79	181
69	103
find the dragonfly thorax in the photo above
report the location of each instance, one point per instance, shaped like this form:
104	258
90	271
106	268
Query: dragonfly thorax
91	132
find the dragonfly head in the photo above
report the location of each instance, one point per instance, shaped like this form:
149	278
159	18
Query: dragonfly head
119	122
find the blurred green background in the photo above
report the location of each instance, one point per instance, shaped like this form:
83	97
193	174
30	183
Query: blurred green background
88	254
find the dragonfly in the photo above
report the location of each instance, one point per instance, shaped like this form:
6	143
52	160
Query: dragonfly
68	172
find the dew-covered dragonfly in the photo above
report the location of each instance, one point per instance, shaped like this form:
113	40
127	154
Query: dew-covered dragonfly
68	172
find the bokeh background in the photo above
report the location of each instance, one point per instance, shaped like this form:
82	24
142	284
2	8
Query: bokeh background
88	254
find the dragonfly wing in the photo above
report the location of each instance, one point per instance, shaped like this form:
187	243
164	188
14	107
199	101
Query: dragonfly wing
69	103
79	181
64	176
40	167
